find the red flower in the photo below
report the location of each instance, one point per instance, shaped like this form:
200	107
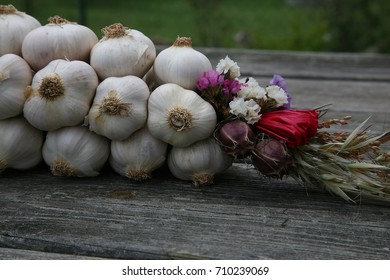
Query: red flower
295	127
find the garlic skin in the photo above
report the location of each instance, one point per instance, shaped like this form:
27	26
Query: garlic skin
14	26
150	79
181	64
20	144
199	162
138	155
75	152
179	116
60	94
59	39
15	76
119	107
122	52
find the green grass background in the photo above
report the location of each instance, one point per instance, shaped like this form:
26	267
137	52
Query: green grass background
329	25
266	24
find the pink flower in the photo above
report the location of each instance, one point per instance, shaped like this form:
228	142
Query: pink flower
230	88
210	79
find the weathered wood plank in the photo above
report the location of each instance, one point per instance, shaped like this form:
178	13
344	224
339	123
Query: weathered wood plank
308	65
241	216
17	254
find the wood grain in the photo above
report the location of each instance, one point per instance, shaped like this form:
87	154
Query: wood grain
241	216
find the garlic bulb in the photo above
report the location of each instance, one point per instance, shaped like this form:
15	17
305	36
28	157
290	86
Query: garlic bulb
122	52
119	107
14	26
59	39
20	144
60	94
150	79
138	155
179	116
181	64
198	162
75	152
15	76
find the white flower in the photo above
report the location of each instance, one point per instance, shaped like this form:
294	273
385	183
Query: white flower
227	65
251	89
253	111
237	107
277	94
248	109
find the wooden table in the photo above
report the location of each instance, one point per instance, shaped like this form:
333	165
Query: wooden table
241	216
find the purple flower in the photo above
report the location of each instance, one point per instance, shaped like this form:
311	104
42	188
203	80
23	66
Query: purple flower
202	83
231	87
209	79
288	104
278	80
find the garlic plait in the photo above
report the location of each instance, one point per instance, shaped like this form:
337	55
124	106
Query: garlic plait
138	155
122	52
179	116
180	64
199	162
60	95
119	107
14	26
15	76
20	144
75	152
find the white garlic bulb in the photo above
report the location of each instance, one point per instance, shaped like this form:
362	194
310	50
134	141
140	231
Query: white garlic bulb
122	52
181	64
75	152
20	144
199	162
14	26
150	79
138	155
15	76
59	39
179	116
60	95
119	107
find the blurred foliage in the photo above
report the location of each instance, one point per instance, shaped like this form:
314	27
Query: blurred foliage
358	25
306	25
266	24
210	22
315	25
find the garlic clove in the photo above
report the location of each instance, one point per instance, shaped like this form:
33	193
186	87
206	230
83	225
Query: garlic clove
181	64
199	162
138	156
15	76
20	144
119	107
122	52
178	116
75	152
60	94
